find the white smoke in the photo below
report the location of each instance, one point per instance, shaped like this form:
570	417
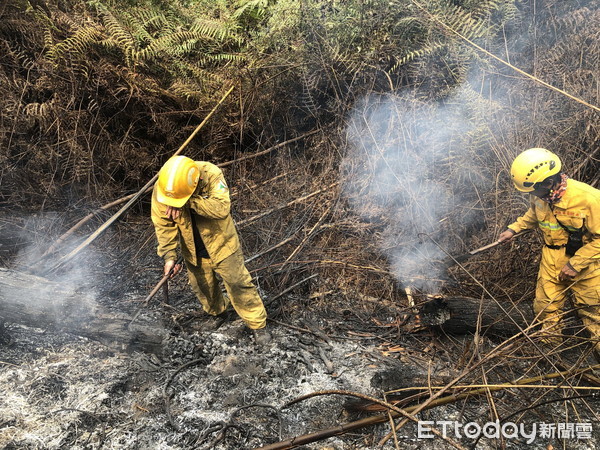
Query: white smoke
78	279
404	161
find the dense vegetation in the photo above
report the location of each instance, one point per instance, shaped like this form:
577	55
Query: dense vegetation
95	95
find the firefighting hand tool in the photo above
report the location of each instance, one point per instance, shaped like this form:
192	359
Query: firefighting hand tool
463	258
161	283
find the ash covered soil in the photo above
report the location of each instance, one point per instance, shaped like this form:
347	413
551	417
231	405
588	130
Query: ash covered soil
68	392
204	389
218	389
211	390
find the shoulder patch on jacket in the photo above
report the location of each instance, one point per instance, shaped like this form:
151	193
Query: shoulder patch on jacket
221	185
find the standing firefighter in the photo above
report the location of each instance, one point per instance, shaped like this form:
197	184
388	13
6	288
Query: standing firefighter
568	214
190	204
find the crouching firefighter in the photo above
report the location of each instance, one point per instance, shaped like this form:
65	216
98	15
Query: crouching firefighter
568	214
191	207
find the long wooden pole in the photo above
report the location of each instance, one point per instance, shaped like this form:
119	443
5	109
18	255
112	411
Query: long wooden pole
133	199
500	60
269	150
368	421
279	208
85	219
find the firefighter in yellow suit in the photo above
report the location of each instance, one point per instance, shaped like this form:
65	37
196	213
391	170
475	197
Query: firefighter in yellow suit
191	208
568	214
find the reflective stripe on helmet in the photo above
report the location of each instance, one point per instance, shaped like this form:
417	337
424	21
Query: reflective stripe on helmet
170	187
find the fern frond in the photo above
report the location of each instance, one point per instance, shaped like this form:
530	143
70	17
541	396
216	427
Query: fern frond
309	85
418	53
38	110
581	17
170	45
495	12
77	45
152	20
118	33
256	8
140	33
195	72
220	58
463	22
215	30
191	92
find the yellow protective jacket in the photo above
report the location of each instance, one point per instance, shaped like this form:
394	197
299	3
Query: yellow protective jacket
210	205
579	207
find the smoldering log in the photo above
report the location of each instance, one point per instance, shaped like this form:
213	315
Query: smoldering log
38	302
460	315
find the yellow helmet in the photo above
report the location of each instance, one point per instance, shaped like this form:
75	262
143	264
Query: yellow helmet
533	166
177	181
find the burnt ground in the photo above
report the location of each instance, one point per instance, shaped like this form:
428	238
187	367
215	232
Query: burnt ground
217	389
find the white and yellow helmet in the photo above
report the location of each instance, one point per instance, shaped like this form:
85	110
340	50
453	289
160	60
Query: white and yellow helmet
177	181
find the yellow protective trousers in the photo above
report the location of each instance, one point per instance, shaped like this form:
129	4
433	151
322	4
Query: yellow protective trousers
550	296
204	279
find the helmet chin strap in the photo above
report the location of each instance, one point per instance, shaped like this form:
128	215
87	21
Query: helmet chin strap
557	191
546	197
